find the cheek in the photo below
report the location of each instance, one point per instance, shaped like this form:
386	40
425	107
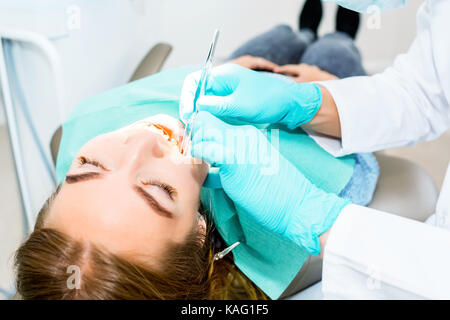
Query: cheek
189	192
189	172
200	172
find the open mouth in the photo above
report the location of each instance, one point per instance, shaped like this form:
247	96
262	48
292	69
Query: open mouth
167	133
166	126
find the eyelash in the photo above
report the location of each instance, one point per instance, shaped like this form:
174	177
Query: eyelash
84	160
170	191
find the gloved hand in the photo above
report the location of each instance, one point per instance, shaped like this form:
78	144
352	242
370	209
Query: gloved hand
235	92
260	180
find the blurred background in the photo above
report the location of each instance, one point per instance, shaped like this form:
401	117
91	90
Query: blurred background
101	43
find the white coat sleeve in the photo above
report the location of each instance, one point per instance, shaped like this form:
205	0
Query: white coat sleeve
374	255
407	103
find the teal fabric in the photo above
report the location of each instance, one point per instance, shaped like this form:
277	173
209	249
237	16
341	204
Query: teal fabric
270	261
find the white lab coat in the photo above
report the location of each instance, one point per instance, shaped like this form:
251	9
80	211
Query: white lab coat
376	255
408	102
372	254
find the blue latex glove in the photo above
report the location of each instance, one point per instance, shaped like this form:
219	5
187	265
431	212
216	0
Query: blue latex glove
261	181
235	92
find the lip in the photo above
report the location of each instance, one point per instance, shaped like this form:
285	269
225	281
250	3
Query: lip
167	133
168	127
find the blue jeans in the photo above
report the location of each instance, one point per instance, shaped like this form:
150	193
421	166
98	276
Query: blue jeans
335	52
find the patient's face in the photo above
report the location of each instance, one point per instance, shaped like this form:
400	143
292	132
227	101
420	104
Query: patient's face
129	191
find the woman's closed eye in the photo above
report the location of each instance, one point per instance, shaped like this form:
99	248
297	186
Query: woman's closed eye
85	169
167	189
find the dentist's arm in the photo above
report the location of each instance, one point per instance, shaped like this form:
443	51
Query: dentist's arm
326	120
403	105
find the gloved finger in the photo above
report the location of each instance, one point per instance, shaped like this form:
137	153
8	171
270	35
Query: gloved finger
208	128
211	152
187	95
222	82
219	84
224	79
208	133
219	106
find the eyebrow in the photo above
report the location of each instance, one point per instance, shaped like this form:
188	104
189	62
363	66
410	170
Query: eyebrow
148	198
74	178
151	201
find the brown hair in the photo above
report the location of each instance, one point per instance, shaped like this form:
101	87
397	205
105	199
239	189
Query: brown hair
189	270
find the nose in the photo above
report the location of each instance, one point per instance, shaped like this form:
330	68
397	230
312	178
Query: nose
142	145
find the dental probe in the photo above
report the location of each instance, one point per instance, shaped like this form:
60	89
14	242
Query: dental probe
201	87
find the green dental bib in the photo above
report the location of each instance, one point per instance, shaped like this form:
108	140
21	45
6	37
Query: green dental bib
269	260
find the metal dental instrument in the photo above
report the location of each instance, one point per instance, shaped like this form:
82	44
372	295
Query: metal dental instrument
201	87
226	251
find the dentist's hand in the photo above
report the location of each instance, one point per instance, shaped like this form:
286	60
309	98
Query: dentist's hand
261	181
235	92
